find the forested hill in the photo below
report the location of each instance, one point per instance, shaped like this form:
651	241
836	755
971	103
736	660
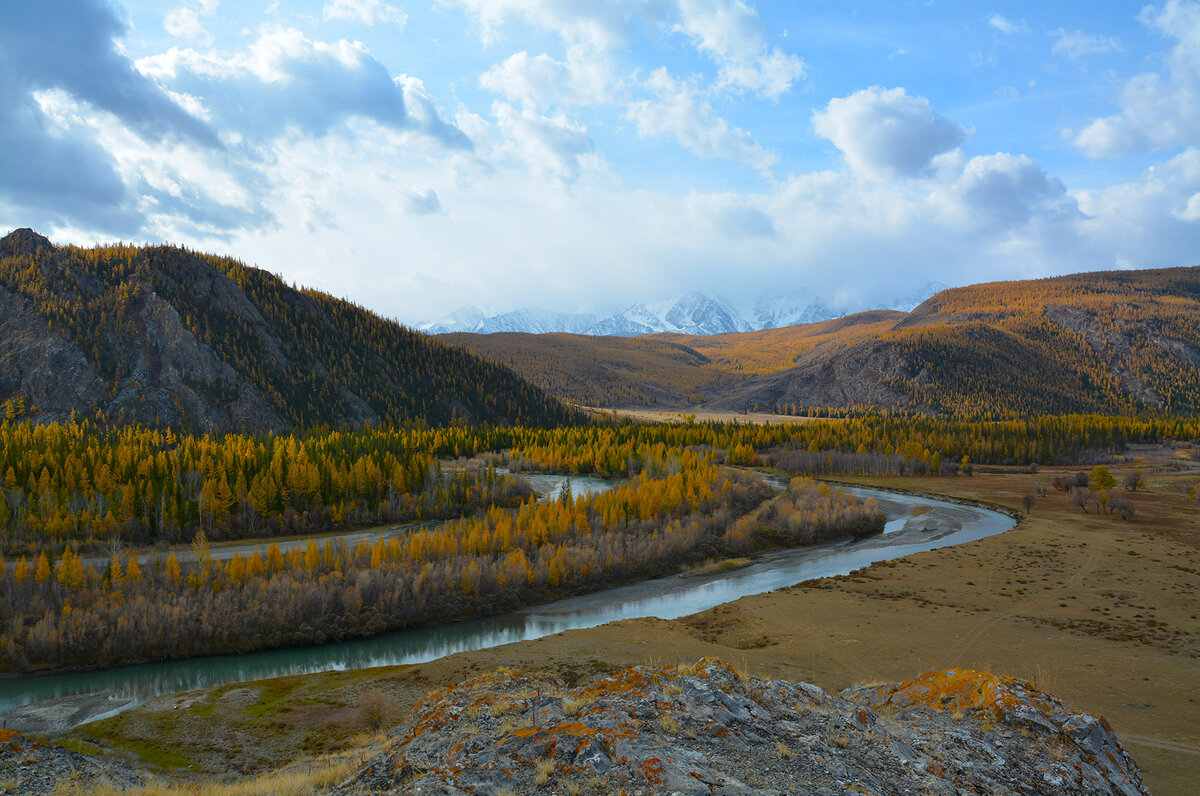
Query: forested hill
1113	341
164	336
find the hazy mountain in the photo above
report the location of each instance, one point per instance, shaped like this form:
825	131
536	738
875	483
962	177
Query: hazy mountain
163	336
693	312
789	309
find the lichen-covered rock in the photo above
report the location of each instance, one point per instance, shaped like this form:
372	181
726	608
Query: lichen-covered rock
703	728
28	767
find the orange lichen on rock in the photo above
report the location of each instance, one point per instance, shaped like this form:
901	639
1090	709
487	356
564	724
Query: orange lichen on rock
968	690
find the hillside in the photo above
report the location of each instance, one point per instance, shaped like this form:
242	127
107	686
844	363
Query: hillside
1098	342
168	337
661	369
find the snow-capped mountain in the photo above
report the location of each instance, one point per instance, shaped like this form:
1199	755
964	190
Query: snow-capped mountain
691	313
910	300
537	321
530	319
636	320
463	319
789	309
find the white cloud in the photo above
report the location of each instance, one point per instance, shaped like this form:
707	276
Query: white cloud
680	112
731	33
533	81
184	21
1157	111
424	203
286	80
367	12
541	81
554	146
1002	191
887	132
1077	44
596	25
1006	25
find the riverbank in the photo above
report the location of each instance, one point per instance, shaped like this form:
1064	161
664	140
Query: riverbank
1098	611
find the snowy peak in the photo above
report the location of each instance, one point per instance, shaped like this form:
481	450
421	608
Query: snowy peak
537	321
691	313
789	309
530	319
463	319
696	313
910	300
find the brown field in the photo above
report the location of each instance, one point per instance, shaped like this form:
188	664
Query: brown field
1101	612
698	415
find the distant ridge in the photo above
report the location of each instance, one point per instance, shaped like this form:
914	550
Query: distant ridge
1114	341
167	337
693	313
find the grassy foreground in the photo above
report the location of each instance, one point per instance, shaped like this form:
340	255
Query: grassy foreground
1098	611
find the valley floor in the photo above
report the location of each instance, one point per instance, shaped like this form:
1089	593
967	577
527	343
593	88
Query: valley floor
1100	612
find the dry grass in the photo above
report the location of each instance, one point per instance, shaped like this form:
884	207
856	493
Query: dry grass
544	767
572	705
301	780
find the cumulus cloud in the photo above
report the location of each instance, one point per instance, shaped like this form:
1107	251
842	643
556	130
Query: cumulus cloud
535	81
554	146
184	21
731	32
286	80
679	112
69	45
56	54
1157	111
1002	191
887	132
367	12
1151	220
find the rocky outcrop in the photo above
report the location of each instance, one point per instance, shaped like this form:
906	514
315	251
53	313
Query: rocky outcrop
863	373
28	767
705	728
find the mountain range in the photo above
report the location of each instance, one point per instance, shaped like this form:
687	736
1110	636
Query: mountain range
1115	341
693	313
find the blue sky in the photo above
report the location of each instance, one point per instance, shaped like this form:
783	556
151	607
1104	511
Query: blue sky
569	154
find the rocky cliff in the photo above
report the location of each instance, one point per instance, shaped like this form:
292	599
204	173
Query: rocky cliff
704	728
168	337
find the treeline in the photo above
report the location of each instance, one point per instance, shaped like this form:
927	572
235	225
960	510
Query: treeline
806	513
73	483
77	482
59	614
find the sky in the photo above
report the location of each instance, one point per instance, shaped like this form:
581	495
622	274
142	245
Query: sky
418	156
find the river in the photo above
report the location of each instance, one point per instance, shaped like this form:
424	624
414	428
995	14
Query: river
914	524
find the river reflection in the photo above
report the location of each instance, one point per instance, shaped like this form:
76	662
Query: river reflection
935	524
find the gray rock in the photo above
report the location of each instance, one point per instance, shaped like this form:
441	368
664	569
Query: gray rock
702	728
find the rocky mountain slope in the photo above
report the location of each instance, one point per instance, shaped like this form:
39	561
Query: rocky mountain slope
164	336
1101	342
704	728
